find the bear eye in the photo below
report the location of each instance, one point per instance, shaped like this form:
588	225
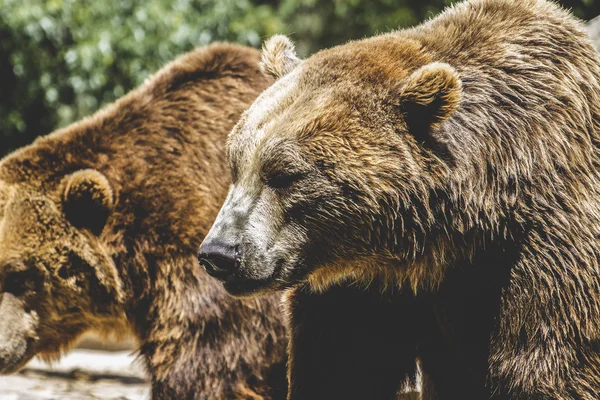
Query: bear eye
19	282
283	180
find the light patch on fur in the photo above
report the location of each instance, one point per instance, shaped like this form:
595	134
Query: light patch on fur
323	278
243	392
5	193
223	221
279	56
236	203
386	273
253	127
239	203
259	232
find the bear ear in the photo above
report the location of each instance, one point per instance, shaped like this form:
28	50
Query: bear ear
88	200
429	96
279	56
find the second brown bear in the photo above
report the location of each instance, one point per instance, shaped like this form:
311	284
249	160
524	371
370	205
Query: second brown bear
99	224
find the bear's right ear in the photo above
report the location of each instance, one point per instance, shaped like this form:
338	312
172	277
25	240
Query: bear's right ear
430	95
279	56
88	200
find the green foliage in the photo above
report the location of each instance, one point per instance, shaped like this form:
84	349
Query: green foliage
62	59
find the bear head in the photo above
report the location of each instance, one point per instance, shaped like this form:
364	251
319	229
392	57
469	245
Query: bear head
333	166
56	278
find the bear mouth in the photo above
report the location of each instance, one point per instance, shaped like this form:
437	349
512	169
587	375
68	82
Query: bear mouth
244	287
240	286
12	368
11	365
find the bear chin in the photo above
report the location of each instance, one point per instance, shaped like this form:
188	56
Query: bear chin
241	287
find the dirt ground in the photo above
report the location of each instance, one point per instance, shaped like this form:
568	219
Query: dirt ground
82	374
85	374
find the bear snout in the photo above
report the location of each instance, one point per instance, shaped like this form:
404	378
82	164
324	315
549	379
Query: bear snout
17	333
220	260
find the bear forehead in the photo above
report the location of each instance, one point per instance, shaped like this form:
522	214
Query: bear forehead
292	119
329	80
263	118
379	60
325	92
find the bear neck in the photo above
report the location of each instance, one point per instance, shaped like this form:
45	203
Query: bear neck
427	241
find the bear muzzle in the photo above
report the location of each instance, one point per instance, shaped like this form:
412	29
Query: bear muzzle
219	259
224	262
17	334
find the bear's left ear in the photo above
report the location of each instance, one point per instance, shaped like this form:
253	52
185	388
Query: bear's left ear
279	56
429	96
88	200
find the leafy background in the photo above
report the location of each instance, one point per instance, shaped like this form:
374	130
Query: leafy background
62	59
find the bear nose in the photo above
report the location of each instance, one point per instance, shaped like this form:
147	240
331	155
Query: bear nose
219	259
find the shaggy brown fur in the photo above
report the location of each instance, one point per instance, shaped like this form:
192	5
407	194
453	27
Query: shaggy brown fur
460	159
99	224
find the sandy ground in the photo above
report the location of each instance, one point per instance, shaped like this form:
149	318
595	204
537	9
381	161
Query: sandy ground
85	374
82	374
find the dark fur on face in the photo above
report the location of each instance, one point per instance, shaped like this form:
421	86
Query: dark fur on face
458	159
99	224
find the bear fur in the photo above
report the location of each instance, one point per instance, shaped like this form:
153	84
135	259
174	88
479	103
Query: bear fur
431	194
99	224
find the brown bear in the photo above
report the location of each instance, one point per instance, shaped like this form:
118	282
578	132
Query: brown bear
430	194
99	225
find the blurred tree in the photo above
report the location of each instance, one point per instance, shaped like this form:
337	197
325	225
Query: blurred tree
317	24
62	59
